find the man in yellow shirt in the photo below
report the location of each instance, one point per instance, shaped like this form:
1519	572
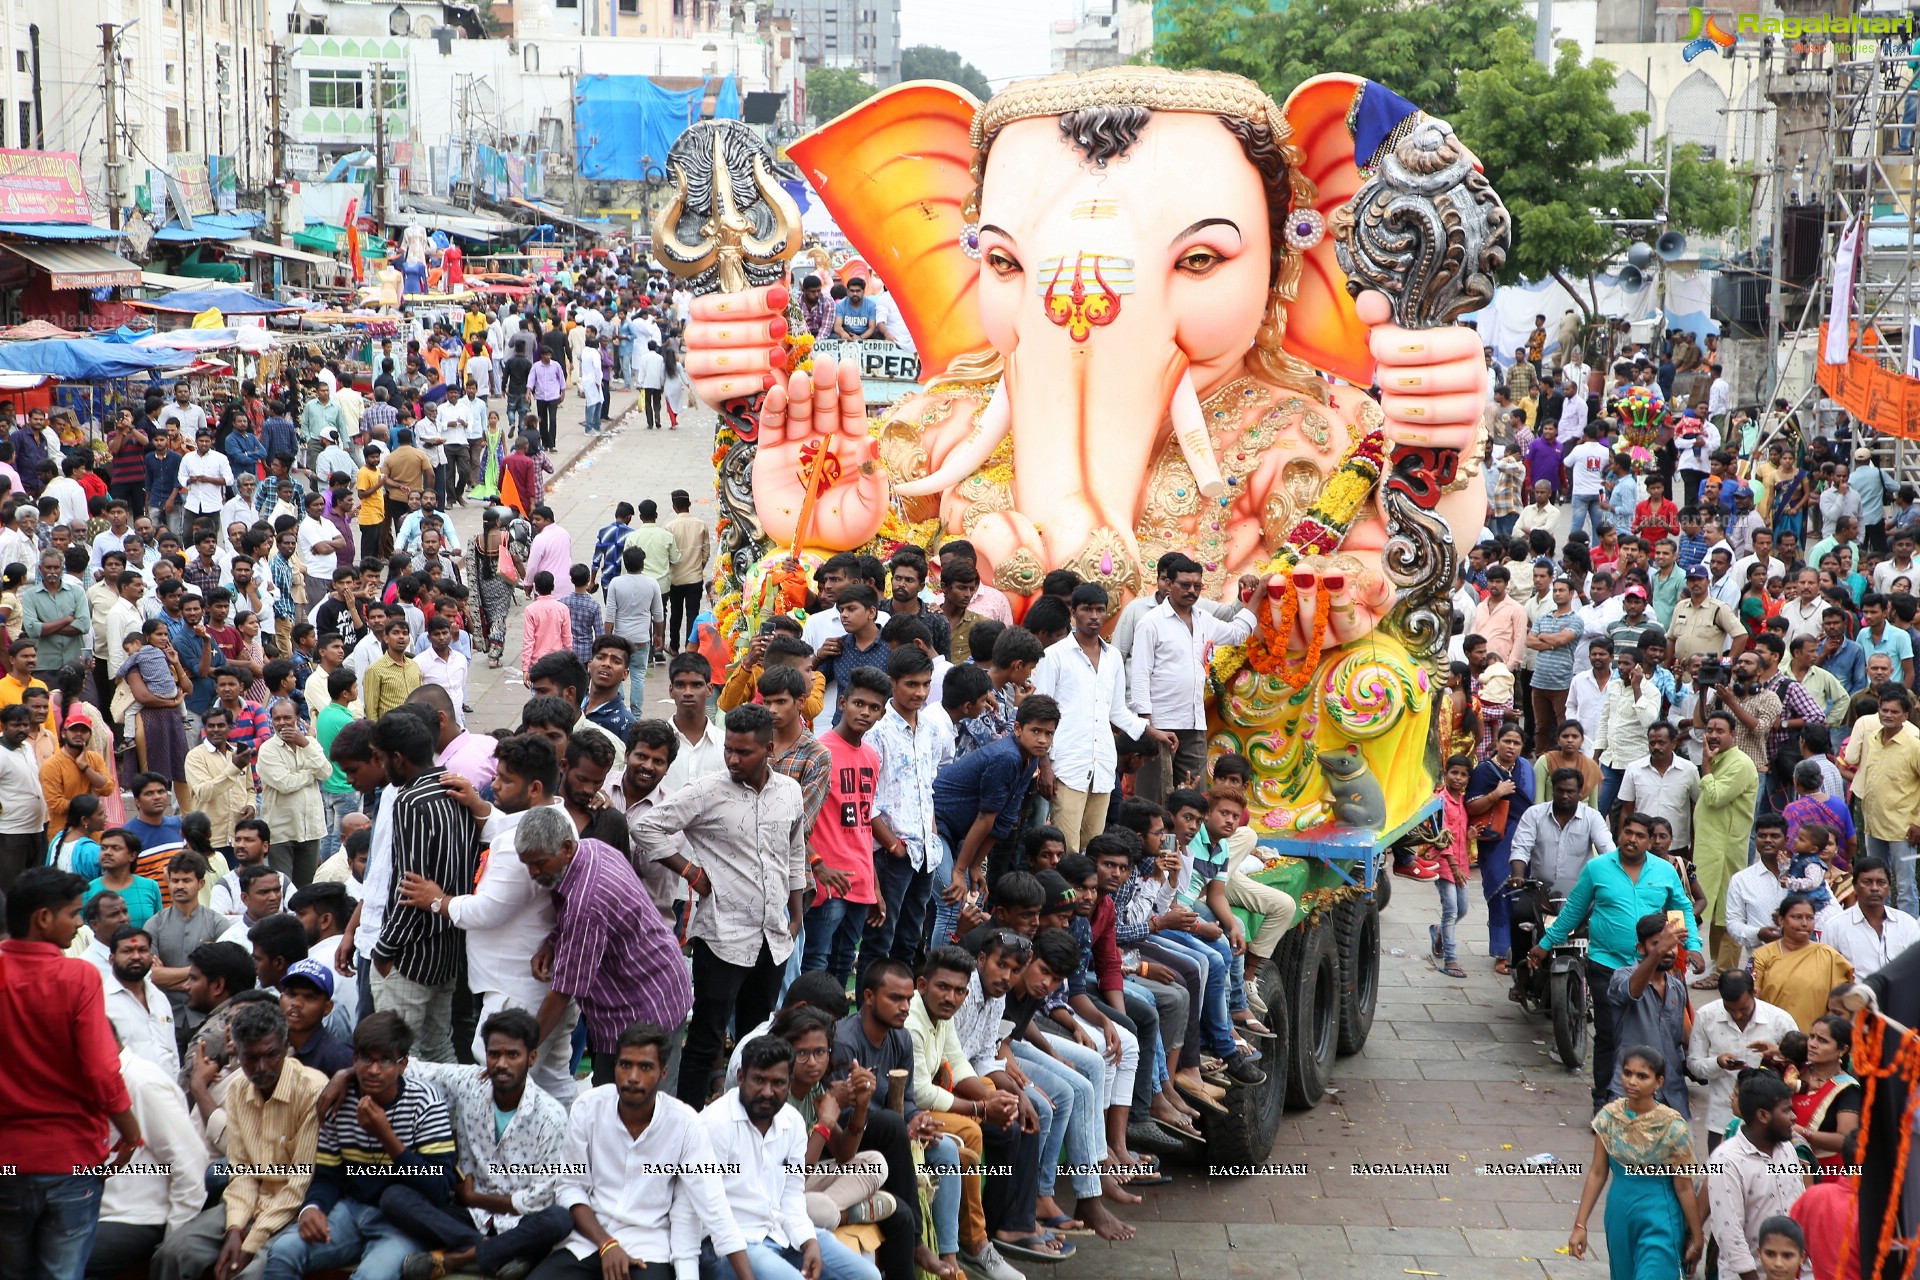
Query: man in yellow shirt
1885	765
375	538
19	677
392	676
219	778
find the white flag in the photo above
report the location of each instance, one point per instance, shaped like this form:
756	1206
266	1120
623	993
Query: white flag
1846	261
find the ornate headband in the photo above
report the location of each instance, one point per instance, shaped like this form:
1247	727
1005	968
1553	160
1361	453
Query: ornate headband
1155	88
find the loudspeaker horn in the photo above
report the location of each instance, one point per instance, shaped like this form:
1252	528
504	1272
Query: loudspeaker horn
1632	279
1670	246
1640	255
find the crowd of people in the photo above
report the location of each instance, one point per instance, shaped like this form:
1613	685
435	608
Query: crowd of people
1677	725
933	895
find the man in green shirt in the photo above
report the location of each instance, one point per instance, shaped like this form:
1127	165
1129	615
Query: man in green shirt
654	539
336	793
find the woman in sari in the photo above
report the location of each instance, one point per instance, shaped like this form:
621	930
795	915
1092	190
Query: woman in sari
1497	794
1794	972
1652	1220
1790	497
495	593
493	460
156	680
1826	1107
1459	714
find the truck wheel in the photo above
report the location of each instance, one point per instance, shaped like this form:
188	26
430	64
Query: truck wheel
1314	999
1244	1135
1356	923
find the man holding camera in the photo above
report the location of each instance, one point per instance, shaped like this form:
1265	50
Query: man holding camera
1754	707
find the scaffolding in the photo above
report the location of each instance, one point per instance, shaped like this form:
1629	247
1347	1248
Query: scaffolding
1866	168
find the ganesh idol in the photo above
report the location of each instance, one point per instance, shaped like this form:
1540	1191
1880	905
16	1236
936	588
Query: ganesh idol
1137	338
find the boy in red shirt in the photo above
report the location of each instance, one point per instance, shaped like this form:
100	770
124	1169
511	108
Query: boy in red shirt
842	838
1657	517
1453	865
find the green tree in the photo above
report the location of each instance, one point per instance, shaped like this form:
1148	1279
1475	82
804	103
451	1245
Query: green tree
834	90
1419	51
930	62
1553	146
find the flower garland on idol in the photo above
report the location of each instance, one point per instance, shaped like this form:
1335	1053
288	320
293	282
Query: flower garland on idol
1318	533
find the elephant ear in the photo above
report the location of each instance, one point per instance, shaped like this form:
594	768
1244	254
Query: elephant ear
894	172
1322	326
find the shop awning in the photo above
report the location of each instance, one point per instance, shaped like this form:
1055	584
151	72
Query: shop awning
280	251
602	227
163	282
78	266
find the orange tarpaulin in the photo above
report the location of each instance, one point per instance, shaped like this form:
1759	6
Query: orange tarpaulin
1887	401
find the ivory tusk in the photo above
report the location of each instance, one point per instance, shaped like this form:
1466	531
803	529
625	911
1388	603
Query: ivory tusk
996	419
1190	430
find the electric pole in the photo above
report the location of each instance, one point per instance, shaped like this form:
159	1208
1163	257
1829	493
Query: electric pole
276	191
380	146
113	126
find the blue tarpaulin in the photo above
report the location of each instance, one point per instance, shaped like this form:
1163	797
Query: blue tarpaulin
210	226
58	231
86	358
225	298
624	123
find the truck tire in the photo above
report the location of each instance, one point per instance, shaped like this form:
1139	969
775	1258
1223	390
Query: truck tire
1244	1135
1313	997
1356	925
1383	881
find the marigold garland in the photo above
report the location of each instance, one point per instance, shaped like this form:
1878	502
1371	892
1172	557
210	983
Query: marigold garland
1870	1037
1317	533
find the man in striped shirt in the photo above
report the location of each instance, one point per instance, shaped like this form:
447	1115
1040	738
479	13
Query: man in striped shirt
417	959
613	952
390	1130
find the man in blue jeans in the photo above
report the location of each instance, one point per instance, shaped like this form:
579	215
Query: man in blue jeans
389	1130
1587	464
62	1087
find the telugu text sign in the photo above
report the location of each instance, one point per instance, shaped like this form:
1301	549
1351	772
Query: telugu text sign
42	186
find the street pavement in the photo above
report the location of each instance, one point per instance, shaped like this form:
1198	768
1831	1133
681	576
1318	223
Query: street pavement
625	462
1455	1075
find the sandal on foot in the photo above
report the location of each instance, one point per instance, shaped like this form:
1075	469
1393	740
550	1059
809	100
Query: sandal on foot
1453	971
1035	1247
1065	1224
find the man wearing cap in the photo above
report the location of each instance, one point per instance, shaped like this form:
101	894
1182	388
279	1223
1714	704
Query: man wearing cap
1634	620
1745	522
1701	624
335	459
306	1000
1870	484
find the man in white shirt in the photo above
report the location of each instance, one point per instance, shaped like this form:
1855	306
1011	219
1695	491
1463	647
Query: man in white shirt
762	1143
140	1012
1167	671
65	490
163	1187
184	413
205	477
1085	676
508	917
1586	465
443	665
1719	397
1663	785
1629	709
239	509
1587	693
1754	893
640	1177
1762	553
468	422
1805	607
1870	933
320	545
1754	1175
1724	1034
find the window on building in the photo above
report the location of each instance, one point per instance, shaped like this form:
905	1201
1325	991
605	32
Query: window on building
20	59
174	141
567	4
629	6
335	89
172	71
393	91
26	124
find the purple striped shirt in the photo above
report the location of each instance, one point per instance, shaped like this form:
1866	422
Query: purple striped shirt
613	951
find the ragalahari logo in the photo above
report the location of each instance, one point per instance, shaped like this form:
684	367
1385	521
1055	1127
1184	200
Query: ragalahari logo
1705	34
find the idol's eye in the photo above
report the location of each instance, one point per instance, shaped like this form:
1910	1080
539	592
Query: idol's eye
1199	261
1002	263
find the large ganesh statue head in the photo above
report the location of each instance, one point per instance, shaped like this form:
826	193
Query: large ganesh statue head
1139	338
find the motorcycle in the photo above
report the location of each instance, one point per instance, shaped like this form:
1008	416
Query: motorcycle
1558	986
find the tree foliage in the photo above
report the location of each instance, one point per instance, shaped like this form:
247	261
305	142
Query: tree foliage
930	62
833	90
1554	147
1419	50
